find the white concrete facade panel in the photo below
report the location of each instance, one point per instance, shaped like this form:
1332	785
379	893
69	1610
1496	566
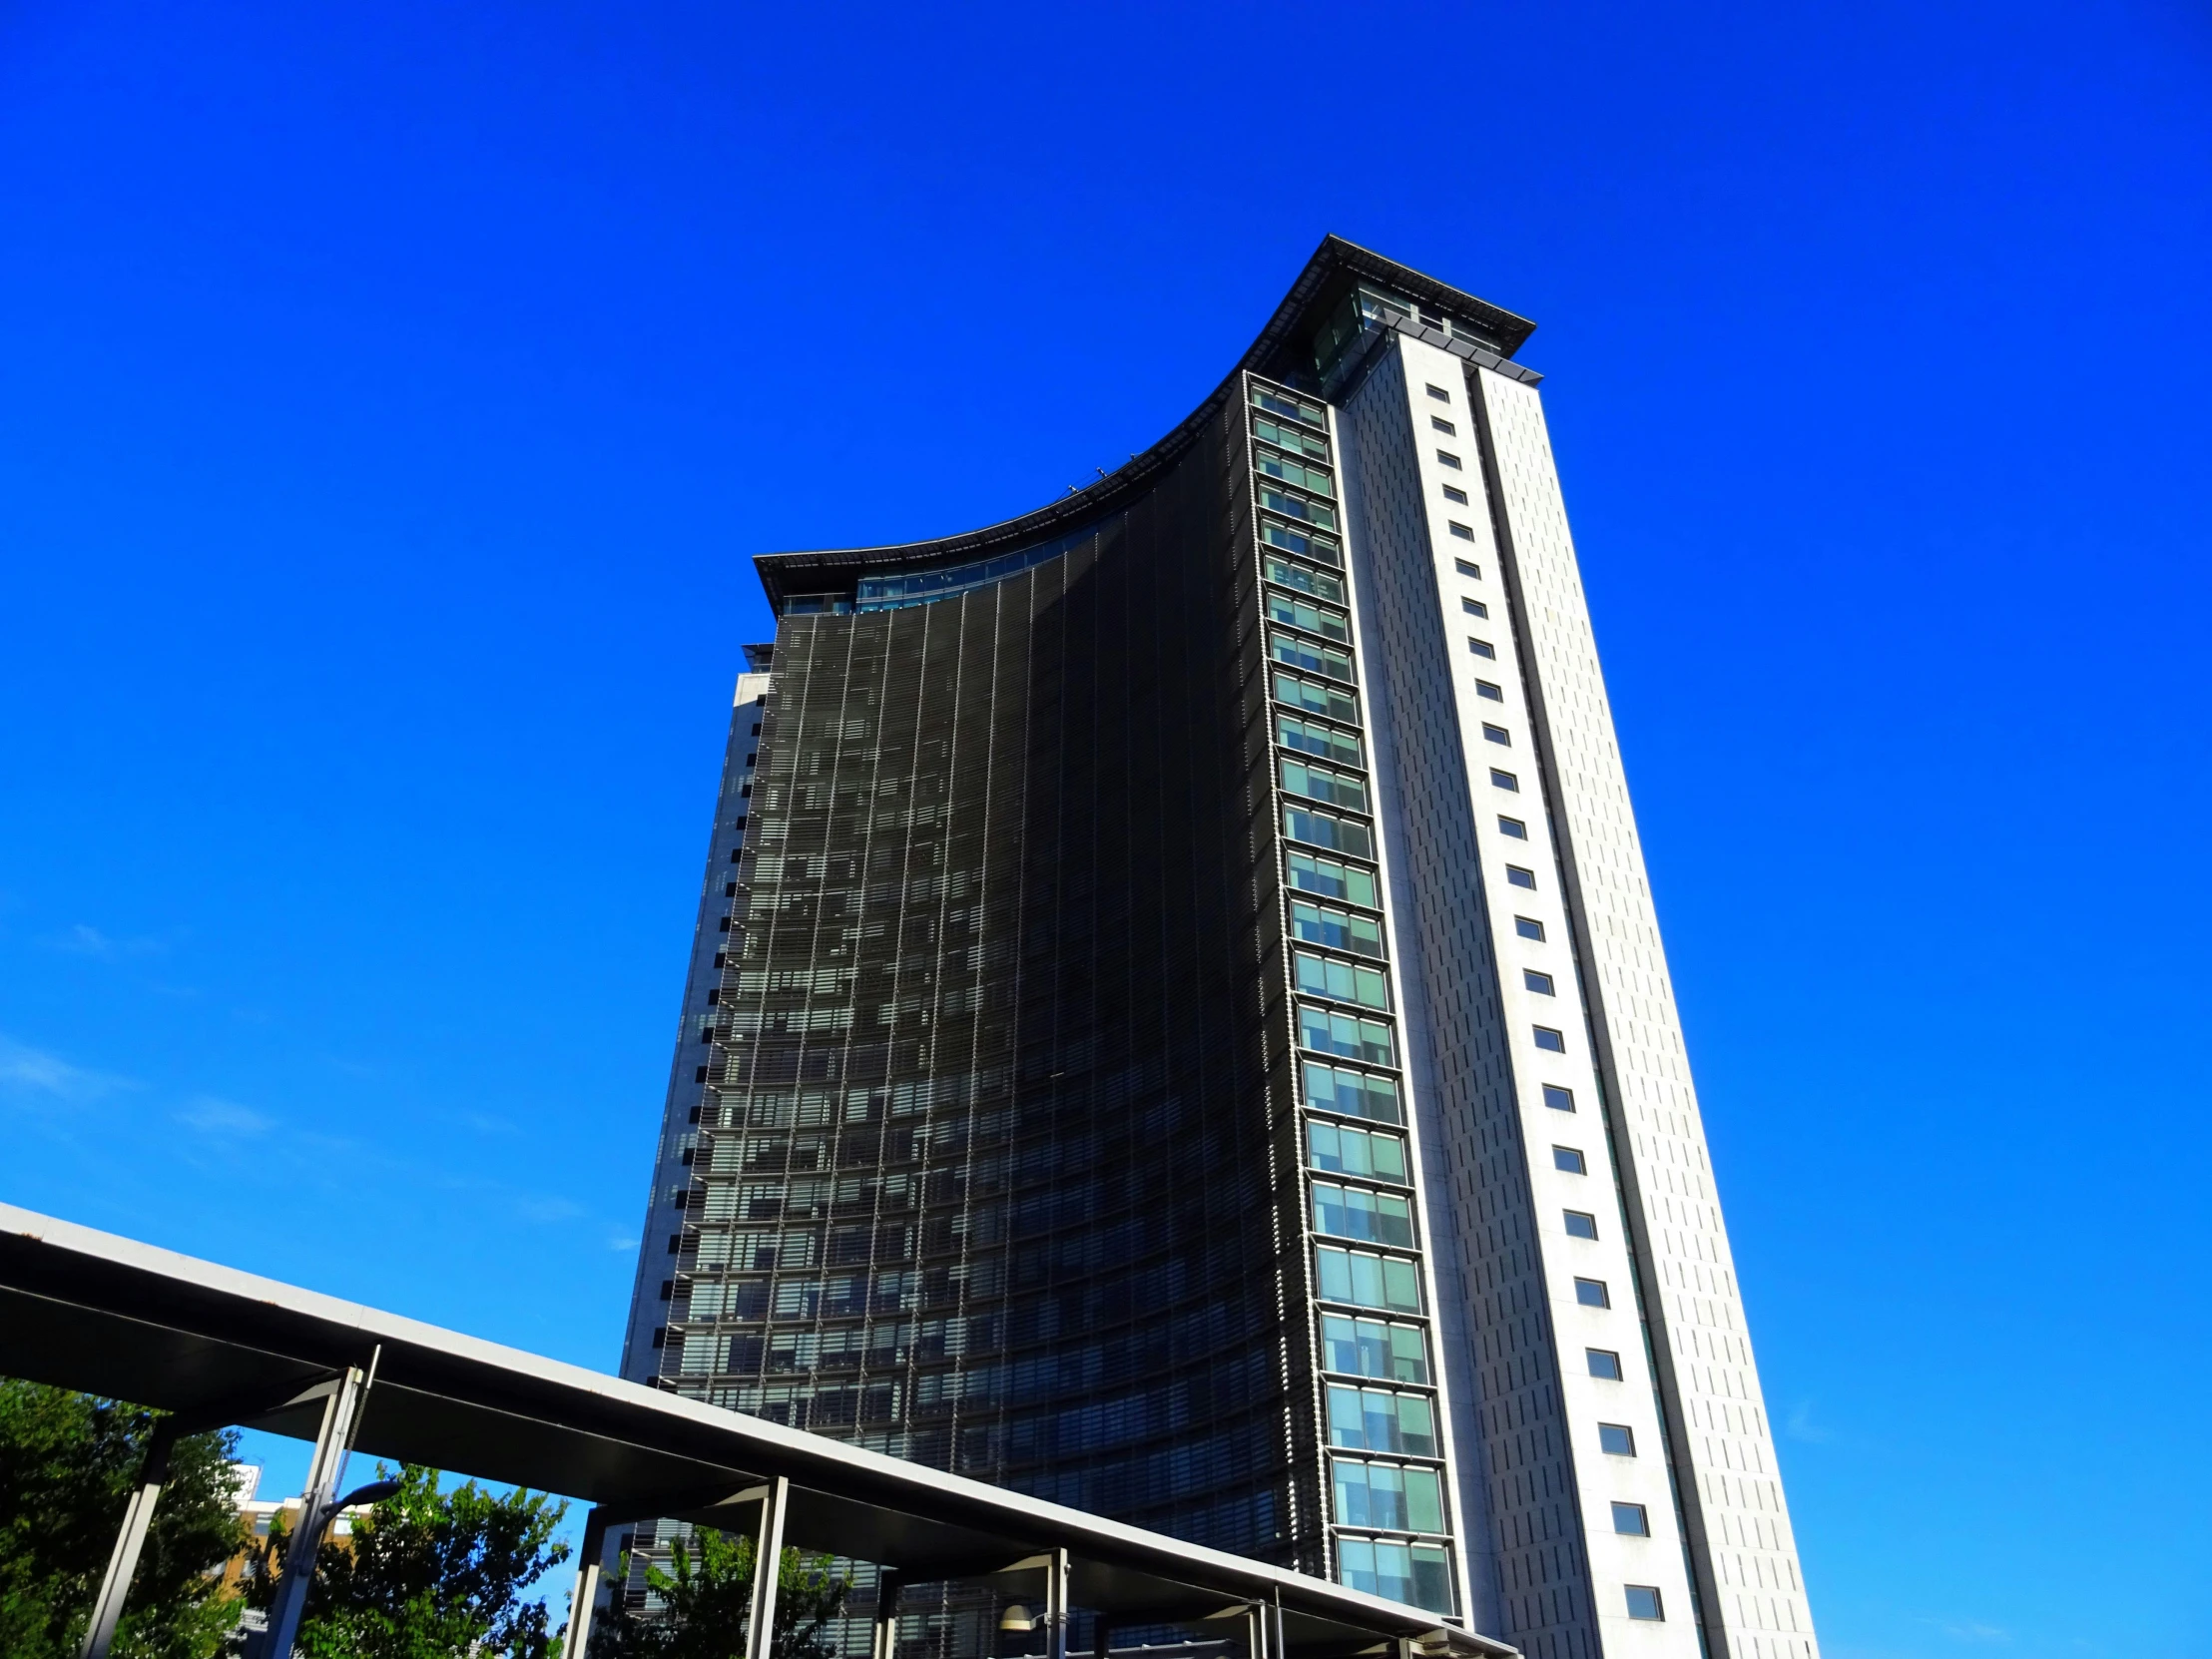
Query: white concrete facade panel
1501	1032
1737	1518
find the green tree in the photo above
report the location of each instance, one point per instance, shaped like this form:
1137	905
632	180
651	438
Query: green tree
706	1598
67	1466
429	1574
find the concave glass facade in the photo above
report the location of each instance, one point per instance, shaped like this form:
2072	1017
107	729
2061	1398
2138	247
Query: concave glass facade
985	1095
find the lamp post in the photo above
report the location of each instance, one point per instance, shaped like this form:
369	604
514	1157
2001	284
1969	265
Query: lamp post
306	1548
340	1418
374	1493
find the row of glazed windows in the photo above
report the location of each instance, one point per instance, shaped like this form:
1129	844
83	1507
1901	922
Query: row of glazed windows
1372	1347
1288	405
1315	618
1345	982
1356	1213
1334	881
1312	681
1340	1149
1291	438
1334	702
751	1299
1307	544
1332	1088
1299	507
1327	830
1418	1575
1313	658
1333	789
1354	1093
1298	474
1374	1420
1282	458
1338	930
1314	738
1320	583
1401	1498
890	592
1326	1032
1362	1280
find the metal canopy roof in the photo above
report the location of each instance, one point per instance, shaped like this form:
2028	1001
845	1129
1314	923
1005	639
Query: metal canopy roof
107	1315
1336	265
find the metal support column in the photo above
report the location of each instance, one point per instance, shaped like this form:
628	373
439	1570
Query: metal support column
887	1586
1102	1635
1277	1647
341	1415
1256	1632
1056	1606
767	1565
589	1560
115	1586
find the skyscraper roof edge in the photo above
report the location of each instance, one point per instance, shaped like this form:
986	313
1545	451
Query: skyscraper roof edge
1484	332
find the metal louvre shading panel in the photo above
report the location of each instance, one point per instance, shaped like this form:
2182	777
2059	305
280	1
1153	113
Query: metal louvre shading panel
987	1178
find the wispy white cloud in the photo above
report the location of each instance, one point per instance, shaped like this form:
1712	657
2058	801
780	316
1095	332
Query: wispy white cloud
1801	1426
35	1073
212	1116
1973	1632
86	940
622	1244
485	1124
537	1207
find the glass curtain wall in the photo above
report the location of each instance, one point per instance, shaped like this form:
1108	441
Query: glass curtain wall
984	1177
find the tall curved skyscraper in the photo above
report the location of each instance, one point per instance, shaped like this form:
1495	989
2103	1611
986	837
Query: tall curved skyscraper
1178	1027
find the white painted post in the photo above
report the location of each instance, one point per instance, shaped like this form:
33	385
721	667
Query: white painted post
1056	1605
768	1563
589	1559
885	1645
341	1419
115	1586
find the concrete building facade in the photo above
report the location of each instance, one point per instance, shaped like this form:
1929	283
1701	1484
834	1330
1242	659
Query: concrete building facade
1178	1025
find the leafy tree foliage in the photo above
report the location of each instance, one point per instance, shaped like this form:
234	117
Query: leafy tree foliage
708	1596
67	1467
429	1574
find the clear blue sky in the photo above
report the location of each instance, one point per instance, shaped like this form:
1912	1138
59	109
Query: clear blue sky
390	397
